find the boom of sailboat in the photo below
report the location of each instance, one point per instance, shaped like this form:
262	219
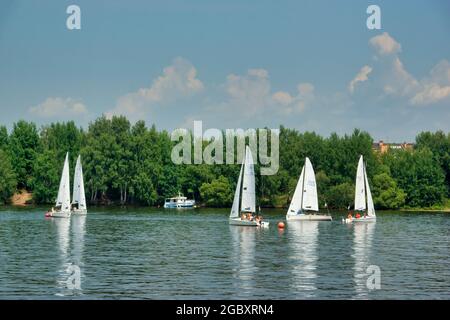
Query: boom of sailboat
64	208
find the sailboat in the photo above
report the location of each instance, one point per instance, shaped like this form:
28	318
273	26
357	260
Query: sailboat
248	201
364	207
78	197
62	207
304	202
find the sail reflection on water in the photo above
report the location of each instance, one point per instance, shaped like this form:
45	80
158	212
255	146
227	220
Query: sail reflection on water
63	239
303	237
243	259
79	231
362	246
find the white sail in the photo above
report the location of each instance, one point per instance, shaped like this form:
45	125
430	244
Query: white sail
296	202
310	201
235	208
370	206
360	197
78	186
248	203
63	199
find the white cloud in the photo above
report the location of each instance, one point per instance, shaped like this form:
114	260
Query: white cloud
306	90
304	98
56	107
283	98
395	80
430	94
384	44
434	88
360	77
251	95
178	81
250	101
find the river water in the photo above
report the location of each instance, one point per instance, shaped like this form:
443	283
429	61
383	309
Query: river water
142	253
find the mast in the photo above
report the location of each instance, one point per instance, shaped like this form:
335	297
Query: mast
235	207
365	186
296	201
370	206
303	185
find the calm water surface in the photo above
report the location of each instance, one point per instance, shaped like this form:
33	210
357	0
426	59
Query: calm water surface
195	254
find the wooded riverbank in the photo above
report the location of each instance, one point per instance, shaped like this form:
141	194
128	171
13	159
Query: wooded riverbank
130	164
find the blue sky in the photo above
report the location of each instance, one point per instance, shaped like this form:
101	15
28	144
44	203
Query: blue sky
309	65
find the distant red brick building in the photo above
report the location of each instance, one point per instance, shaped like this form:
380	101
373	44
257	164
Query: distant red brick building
383	147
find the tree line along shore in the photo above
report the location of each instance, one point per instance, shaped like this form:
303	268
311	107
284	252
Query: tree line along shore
130	164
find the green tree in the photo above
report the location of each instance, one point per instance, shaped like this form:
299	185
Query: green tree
340	196
3	138
439	143
7	178
98	159
24	145
323	184
217	193
61	138
386	193
46	174
419	175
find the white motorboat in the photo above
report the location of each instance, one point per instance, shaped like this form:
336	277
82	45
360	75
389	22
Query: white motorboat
179	201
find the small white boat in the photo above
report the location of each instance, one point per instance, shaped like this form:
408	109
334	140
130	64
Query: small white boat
62	206
78	197
364	208
248	201
304	202
179	201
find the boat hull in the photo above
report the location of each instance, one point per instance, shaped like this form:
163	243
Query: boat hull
248	223
364	219
178	206
79	212
58	214
309	217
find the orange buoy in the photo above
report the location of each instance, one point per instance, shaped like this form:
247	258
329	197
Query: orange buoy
281	225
